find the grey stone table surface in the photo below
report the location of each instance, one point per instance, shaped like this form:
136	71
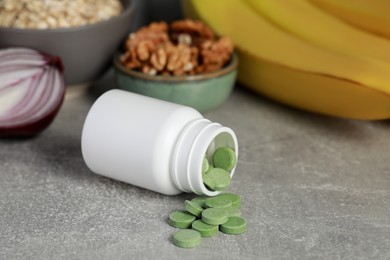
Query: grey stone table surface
312	187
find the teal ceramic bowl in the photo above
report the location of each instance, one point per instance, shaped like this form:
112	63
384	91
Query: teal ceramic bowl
203	92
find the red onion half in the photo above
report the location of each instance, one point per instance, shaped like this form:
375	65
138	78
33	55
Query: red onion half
32	89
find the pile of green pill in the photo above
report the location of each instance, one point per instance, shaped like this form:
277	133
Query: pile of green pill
216	174
205	217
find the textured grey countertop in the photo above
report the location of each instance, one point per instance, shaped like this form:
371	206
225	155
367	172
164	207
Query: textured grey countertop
311	186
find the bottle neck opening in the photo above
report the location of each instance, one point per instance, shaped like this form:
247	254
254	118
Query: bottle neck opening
199	139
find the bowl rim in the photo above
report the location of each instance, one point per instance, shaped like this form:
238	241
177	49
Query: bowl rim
128	7
229	67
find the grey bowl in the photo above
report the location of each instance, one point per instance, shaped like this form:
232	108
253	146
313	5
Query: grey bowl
85	51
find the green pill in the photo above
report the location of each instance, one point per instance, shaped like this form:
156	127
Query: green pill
214	216
193	208
216	179
234	226
236	200
204	229
233	212
225	158
200	200
218	202
181	219
208	182
187	238
205	165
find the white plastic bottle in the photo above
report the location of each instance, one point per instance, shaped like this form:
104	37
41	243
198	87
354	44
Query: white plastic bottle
151	143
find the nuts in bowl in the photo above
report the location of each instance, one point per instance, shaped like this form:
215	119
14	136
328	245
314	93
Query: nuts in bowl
186	47
183	62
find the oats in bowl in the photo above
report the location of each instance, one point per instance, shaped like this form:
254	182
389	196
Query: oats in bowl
86	50
40	14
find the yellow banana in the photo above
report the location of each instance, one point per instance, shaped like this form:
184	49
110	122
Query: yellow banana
311	23
291	70
313	92
370	15
260	38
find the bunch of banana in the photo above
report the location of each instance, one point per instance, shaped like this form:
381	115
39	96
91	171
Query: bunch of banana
299	53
